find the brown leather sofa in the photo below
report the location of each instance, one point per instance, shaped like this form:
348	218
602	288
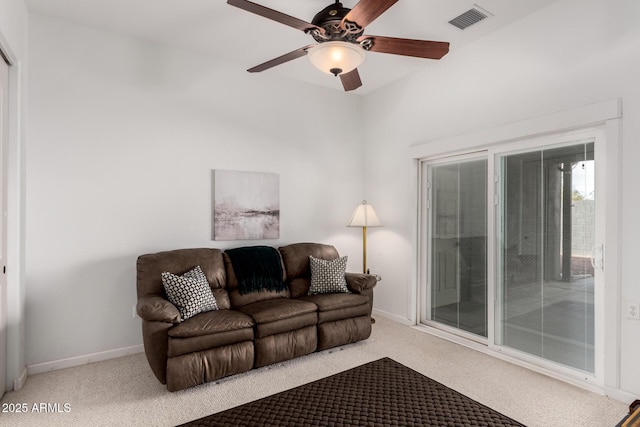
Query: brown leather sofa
249	330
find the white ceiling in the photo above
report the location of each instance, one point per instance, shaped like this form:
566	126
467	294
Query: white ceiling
215	28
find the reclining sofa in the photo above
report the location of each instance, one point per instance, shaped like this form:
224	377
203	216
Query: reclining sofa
255	321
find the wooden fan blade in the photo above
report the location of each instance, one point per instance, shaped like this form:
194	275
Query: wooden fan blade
274	15
407	47
351	80
281	59
366	11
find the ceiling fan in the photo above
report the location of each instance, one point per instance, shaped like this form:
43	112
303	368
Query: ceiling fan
341	42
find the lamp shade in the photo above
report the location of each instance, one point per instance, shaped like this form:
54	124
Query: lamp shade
336	57
364	216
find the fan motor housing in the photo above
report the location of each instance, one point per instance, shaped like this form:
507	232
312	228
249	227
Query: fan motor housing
329	19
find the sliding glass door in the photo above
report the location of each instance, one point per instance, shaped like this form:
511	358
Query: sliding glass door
457	200
508	249
546	279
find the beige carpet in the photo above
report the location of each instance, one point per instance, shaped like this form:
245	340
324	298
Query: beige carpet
124	392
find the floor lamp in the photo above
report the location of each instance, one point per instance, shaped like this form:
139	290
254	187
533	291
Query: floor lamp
364	216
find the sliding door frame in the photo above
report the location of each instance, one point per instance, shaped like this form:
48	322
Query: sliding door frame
606	116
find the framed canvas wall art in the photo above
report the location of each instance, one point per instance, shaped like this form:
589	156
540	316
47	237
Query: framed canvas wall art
246	205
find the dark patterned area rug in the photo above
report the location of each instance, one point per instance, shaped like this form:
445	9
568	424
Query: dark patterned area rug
379	393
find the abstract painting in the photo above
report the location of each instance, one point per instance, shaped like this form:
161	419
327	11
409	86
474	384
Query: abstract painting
246	205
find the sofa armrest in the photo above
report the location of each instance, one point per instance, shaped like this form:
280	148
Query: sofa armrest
359	282
156	308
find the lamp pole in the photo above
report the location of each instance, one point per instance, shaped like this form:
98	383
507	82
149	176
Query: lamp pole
364	249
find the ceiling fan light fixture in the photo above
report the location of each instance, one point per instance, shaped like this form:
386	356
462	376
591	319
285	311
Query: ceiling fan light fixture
336	57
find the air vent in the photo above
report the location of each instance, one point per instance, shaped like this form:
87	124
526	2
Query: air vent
469	18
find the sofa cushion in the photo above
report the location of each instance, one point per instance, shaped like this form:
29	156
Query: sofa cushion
209	330
327	276
295	258
332	307
286	325
278	309
336	301
344	313
190	293
179	346
212	322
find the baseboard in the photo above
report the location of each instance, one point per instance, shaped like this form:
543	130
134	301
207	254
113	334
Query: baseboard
70	362
391	316
620	395
19	382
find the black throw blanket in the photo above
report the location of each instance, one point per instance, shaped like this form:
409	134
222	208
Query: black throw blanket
257	268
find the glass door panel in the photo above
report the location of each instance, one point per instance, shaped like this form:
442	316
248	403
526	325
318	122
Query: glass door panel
547	237
457	245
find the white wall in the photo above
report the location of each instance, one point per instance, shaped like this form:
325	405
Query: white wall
123	136
13	25
14	19
572	53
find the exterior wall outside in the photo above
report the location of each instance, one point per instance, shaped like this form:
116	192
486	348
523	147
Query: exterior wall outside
583	220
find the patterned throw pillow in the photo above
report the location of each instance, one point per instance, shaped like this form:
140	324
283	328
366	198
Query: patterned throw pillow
190	293
327	276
